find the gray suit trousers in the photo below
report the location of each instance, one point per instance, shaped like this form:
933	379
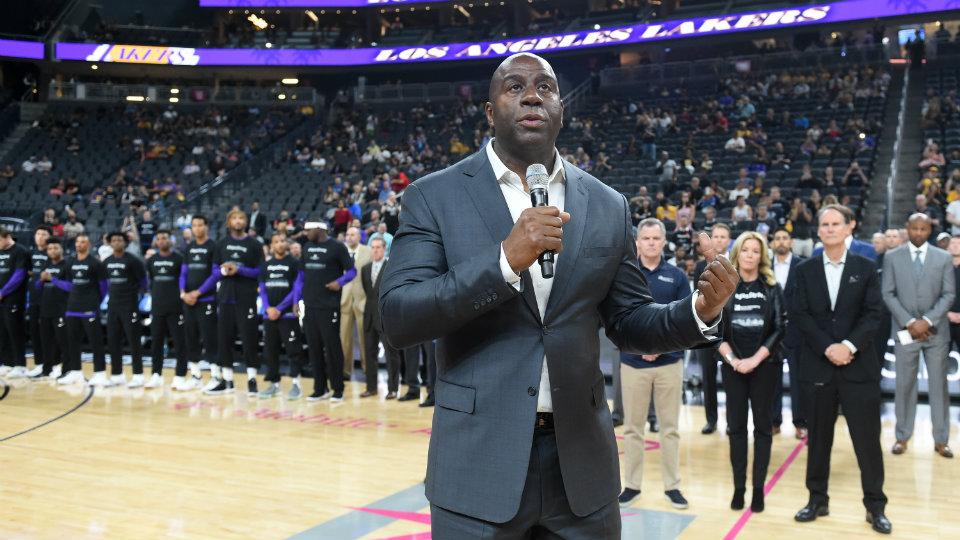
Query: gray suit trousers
907	365
544	511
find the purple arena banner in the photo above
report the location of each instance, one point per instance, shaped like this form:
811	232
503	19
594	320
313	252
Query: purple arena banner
32	50
281	4
835	12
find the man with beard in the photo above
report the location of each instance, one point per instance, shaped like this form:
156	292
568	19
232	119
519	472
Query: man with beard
327	267
238	256
85	278
127	278
166	315
281	285
784	261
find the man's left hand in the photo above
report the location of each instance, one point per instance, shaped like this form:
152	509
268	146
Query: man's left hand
717	283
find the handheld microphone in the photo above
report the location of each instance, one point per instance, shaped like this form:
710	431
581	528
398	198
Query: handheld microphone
538	179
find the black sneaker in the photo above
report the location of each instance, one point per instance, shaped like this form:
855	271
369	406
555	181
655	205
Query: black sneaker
337	397
626	498
252	387
676	499
222	387
654	426
317	395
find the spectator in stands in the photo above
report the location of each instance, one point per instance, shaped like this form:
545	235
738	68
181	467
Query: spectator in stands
341	218
781	159
29	165
258	221
741	212
683	235
74	146
741	190
933	212
709	199
146	230
709	218
808	180
777	206
765	223
191	168
391	213
799	221
665	210
44	164
7	172
735	144
72	228
648	146
932	156
809	147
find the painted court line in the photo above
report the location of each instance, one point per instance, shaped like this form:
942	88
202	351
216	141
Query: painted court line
52	420
742	522
357	524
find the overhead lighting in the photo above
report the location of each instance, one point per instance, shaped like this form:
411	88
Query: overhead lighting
282	97
290	80
885	41
268	45
596	27
258	22
174	100
94	67
174	90
313	16
136	98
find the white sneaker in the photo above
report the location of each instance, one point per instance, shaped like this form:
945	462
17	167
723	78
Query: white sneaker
156	381
100	379
4	370
212	384
176	383
72	377
135	382
18	372
56	371
191	383
36	372
117	380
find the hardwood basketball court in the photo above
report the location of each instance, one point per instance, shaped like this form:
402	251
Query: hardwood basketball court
119	463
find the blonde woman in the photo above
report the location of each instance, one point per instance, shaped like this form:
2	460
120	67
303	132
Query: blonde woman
753	324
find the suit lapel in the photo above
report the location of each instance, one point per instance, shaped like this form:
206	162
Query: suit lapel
484	190
820	274
576	199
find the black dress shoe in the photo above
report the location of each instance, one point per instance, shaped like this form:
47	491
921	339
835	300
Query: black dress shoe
654	426
429	402
617	421
409	396
811	512
709	428
879	522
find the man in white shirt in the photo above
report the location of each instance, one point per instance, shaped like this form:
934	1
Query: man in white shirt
784	262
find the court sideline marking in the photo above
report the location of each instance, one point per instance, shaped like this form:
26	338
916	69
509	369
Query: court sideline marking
52	420
742	522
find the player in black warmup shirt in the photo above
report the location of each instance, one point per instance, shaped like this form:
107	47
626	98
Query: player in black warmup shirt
281	285
51	306
239	257
14	267
198	291
327	267
85	278
38	262
127	278
166	316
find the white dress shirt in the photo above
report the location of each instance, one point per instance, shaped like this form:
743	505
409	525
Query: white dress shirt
781	270
834	274
518	200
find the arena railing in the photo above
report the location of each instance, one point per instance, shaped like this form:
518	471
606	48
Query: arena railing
239	95
719	67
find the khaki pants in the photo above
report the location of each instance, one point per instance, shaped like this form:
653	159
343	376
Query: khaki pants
351	317
665	383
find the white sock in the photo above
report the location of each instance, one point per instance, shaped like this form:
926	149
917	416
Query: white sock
215	371
228	374
296	381
251	373
194	369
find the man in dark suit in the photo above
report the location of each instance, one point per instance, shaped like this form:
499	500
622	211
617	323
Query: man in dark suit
258	221
707	357
837	309
784	264
522	437
371	275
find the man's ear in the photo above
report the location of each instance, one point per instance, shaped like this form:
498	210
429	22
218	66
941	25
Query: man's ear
488	112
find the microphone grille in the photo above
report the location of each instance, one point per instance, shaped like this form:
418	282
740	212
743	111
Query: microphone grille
537	176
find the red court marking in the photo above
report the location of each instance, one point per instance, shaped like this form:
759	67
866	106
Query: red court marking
415	517
417	536
742	522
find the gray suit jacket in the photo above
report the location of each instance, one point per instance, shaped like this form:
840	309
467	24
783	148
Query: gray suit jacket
930	296
444	282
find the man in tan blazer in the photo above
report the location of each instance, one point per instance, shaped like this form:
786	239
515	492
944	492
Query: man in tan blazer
352	303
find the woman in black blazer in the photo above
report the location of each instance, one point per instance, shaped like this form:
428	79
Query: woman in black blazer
753	324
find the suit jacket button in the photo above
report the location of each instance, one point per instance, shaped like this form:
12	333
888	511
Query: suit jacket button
532	391
476	306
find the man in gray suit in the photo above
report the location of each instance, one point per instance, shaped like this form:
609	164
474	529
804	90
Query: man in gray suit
918	287
522	440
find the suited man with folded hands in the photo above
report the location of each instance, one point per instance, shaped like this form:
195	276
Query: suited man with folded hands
522	437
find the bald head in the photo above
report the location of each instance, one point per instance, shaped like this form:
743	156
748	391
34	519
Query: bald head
919	228
508	62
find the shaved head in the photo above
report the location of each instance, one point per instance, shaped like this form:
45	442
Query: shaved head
504	66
